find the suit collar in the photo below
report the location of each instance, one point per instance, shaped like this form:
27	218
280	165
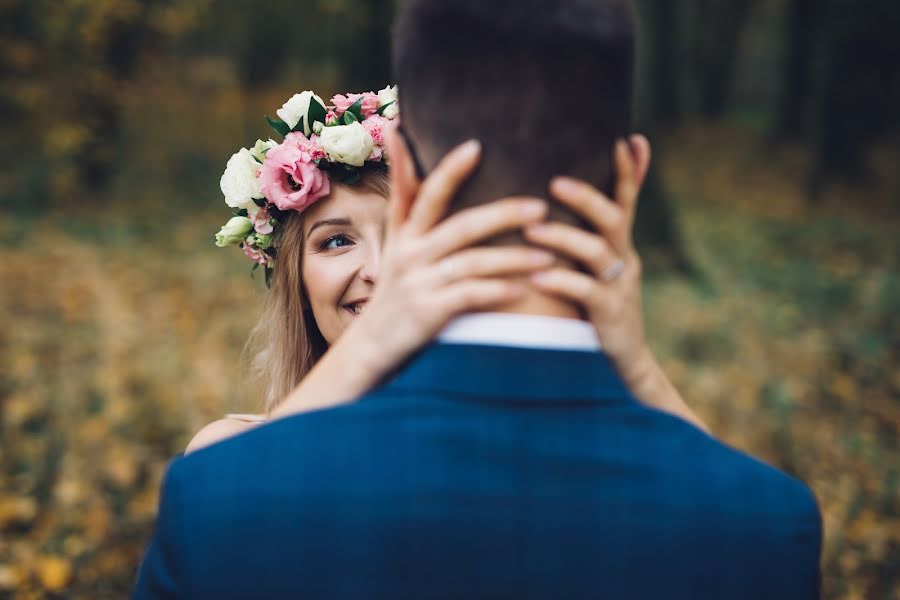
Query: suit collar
523	374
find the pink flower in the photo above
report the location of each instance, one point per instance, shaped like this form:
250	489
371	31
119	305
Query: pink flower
331	117
368	107
262	222
256	255
289	178
311	145
375	126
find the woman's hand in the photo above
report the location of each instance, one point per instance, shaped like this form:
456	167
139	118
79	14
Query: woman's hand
610	289
429	274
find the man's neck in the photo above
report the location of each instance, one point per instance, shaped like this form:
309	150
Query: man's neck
537	303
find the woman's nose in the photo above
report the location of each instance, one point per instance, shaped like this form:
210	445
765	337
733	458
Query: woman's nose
372	266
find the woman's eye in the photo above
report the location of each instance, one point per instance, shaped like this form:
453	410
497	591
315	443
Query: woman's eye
335	241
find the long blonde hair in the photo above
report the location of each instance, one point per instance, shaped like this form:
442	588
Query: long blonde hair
286	343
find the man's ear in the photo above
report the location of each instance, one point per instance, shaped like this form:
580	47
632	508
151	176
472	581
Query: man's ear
640	151
404	182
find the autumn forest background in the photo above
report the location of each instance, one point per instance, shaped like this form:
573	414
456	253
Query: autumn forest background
770	226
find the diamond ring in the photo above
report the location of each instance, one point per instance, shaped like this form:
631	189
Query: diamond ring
613	270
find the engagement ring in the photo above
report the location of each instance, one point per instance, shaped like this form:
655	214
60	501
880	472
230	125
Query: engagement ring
613	271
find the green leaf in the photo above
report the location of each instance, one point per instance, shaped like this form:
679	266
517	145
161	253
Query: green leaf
315	113
380	111
268	271
279	126
349	117
299	126
239	213
356	109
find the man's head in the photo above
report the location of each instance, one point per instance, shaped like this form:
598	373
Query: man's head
546	85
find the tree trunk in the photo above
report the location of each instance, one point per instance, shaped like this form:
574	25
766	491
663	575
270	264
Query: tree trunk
716	43
801	23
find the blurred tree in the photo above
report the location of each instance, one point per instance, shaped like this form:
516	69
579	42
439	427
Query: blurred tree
366	55
660	106
857	86
802	24
841	82
72	64
716	31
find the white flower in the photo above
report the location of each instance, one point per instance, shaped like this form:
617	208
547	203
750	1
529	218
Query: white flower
348	144
317	127
296	107
239	182
260	148
234	231
389	94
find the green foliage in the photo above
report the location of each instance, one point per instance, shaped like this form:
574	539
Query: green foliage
279	126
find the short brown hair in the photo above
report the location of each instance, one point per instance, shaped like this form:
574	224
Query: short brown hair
546	85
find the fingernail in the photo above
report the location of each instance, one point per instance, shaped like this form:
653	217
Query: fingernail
564	185
471	147
533	209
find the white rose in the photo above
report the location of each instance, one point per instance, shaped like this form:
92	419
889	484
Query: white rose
260	148
348	144
389	94
234	231
239	182
296	107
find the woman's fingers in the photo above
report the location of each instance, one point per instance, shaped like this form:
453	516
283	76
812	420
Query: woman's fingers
441	185
479	223
568	284
490	262
635	159
587	248
474	294
595	207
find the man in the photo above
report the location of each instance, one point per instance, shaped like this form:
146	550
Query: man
509	458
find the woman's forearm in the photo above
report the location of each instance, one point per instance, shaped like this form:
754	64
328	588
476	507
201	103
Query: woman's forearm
349	368
654	389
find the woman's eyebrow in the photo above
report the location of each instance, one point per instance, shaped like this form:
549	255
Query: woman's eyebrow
341	222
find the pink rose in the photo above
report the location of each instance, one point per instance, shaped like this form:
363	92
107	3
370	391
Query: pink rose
289	178
368	107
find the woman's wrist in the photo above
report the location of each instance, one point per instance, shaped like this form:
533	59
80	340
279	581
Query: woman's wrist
649	384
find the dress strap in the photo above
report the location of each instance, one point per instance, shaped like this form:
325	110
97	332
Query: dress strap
247	418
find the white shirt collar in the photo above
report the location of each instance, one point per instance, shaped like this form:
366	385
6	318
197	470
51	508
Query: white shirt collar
522	331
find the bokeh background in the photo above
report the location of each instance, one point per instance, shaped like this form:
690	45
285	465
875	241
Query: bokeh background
770	226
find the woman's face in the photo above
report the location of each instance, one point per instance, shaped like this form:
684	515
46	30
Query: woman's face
341	255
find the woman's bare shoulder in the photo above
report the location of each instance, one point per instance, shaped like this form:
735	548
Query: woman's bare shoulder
218	431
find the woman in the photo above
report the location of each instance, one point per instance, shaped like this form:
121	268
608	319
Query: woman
362	282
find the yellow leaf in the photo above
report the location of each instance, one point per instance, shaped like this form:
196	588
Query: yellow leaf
54	572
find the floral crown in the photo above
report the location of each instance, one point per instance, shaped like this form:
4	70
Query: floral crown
319	143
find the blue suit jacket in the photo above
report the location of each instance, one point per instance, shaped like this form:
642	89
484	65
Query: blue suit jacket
483	472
